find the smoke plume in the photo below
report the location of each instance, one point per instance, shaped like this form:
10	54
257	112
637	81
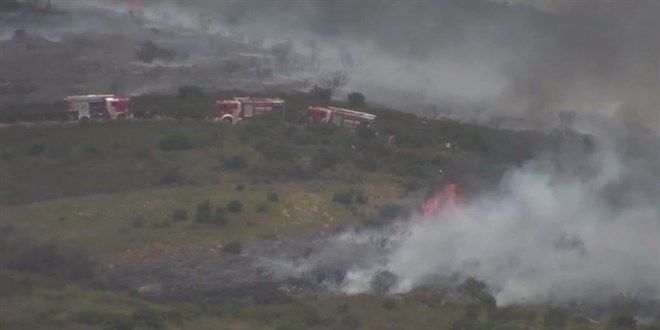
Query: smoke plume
579	224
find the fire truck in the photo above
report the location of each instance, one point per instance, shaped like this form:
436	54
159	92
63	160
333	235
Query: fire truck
339	116
98	106
240	109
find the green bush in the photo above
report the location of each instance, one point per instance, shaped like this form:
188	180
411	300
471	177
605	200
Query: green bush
273	197
234	206
233	248
477	291
179	214
204	212
175	142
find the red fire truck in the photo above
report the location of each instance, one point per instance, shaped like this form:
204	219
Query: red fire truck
240	109
339	116
95	106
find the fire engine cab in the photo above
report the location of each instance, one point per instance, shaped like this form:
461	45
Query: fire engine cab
339	116
245	108
87	107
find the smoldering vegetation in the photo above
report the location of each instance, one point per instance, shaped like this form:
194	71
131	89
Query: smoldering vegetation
580	226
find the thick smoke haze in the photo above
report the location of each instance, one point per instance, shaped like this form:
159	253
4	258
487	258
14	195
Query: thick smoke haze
498	57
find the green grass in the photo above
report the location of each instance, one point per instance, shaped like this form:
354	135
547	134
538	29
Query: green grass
136	224
110	189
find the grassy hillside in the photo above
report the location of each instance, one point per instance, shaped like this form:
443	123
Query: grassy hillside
76	199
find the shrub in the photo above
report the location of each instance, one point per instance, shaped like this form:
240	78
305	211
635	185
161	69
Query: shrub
477	291
237	162
179	215
233	248
234	206
204	212
188	92
343	197
176	142
356	99
273	197
261	208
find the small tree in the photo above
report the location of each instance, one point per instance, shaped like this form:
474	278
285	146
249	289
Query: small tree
334	79
356	99
234	206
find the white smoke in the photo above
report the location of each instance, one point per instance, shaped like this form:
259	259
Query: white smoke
553	232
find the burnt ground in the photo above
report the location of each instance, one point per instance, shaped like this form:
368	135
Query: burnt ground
266	268
85	49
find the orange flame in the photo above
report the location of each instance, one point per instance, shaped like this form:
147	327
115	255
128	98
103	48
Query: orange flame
443	201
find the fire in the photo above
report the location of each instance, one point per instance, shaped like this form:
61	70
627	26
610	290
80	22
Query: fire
443	200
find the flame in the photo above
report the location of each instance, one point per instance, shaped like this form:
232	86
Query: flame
443	201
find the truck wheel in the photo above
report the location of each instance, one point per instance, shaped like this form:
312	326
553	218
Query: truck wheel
120	116
228	120
83	119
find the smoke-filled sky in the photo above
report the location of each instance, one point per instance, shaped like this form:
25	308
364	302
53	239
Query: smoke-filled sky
506	56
